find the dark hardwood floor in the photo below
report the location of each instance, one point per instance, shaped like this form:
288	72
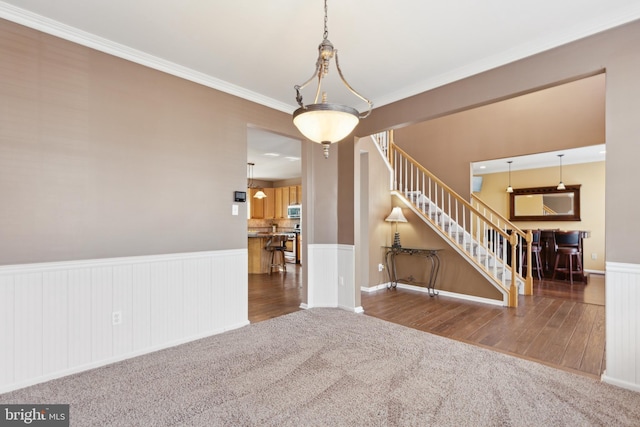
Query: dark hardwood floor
561	325
276	294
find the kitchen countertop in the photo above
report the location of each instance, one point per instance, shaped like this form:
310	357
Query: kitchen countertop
267	233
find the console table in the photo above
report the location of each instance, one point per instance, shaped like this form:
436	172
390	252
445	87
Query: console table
428	254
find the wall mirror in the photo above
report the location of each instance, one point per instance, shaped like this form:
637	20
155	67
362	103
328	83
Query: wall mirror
545	204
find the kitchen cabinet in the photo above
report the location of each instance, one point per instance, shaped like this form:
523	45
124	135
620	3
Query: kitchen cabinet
293	196
285	201
280	212
275	205
257	205
262	208
269	203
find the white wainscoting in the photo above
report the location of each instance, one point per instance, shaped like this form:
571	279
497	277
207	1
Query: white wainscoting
331	276
322	275
57	318
622	318
347	277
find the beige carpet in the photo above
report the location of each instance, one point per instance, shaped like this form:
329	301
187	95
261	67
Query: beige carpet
328	367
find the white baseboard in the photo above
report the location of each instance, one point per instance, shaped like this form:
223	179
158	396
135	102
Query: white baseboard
443	293
373	288
620	383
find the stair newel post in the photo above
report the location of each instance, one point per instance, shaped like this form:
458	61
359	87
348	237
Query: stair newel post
529	281
513	289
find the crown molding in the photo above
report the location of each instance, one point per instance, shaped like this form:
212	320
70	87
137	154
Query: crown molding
66	32
571	34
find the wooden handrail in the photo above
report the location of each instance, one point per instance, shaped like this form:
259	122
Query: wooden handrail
393	147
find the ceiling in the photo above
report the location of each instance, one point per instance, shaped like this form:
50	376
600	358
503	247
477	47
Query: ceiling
592	153
259	50
275	157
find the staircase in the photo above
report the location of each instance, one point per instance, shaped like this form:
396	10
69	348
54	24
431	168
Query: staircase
483	237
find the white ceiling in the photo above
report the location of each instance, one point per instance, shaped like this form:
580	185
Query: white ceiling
259	49
275	156
593	153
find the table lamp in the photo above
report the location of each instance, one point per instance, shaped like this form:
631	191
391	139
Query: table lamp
396	216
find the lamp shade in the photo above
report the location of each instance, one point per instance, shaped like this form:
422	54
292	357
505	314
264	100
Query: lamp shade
396	215
326	122
259	195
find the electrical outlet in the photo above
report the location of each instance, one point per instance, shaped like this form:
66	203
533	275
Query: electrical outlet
380	267
116	317
594	255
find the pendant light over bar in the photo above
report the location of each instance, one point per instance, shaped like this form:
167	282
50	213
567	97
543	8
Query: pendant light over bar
510	188
323	122
561	184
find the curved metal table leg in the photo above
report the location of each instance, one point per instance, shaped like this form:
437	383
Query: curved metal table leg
435	268
391	270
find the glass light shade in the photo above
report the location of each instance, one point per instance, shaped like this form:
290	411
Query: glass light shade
396	215
259	195
561	186
509	189
326	122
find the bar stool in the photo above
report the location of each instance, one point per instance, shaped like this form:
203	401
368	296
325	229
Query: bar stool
276	245
568	250
536	248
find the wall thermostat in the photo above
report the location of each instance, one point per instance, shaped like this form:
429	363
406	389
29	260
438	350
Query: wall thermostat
239	196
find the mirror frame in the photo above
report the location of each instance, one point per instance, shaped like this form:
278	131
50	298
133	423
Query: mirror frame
575	189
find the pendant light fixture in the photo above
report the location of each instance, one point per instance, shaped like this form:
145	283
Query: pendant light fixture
259	194
510	188
561	184
323	122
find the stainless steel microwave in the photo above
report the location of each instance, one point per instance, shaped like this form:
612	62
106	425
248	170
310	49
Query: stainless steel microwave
294	211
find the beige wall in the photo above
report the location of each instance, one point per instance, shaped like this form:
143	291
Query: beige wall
565	116
591	177
101	157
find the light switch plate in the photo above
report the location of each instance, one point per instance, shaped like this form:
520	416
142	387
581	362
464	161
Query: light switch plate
234	209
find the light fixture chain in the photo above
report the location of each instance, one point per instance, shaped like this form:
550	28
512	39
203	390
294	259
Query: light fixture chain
326	20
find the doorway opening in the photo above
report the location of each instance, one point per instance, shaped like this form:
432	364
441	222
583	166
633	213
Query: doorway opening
277	172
